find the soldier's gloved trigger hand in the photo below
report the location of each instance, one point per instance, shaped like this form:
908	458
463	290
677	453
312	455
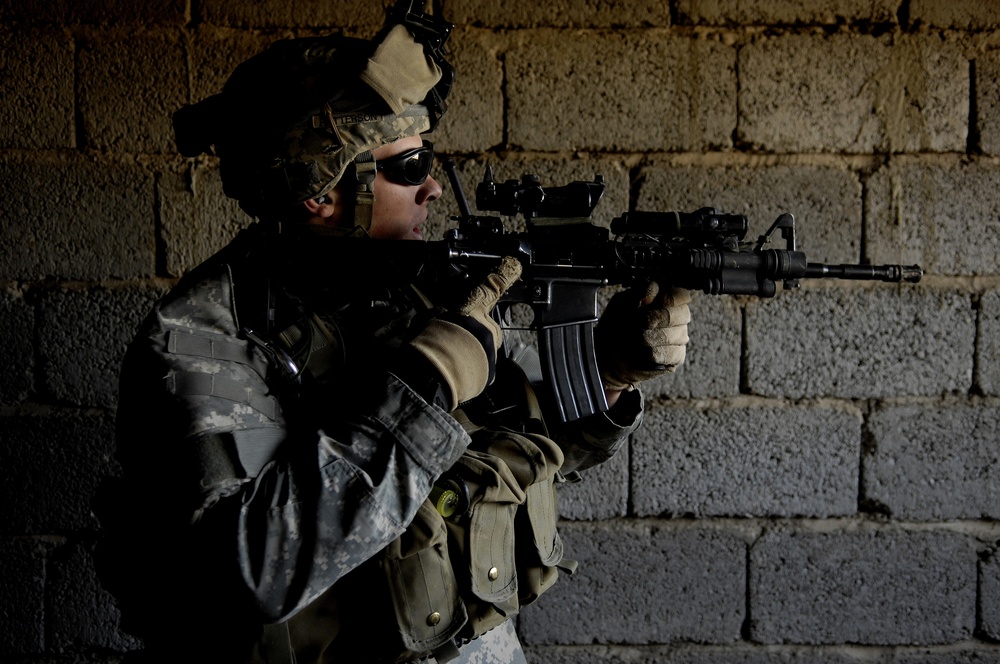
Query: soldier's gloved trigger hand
462	344
642	334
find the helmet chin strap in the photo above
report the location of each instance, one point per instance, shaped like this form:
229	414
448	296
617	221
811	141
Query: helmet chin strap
364	198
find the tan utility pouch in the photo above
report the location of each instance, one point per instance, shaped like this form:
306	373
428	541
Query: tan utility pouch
451	580
500	554
422	583
446	581
506	547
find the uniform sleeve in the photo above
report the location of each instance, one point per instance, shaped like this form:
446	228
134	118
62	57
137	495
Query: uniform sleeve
592	440
308	520
282	505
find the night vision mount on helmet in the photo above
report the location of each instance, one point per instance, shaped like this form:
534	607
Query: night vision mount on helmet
293	120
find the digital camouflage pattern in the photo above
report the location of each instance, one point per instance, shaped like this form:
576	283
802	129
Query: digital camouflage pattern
427	441
497	646
193	391
330	490
325	145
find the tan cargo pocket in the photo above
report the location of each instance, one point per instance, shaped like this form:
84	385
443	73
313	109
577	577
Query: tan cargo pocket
422	582
543	515
538	566
489	539
512	537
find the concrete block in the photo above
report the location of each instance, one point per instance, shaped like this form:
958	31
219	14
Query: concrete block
747	461
941	216
115	12
956	14
360	14
475	118
768	655
79	219
860	343
17	330
825	201
130	84
789	12
934	462
82	339
36	90
620	91
989	595
784	12
602	493
592	655
988	346
711	365
975	653
562	13
640	584
12	11
197	217
755	654
22	596
865	586
79	612
745	653
162	12
59	459
853	93
988	101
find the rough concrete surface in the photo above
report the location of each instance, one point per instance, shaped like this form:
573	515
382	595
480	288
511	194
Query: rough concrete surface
747	461
82	340
934	463
76	219
639	584
935	215
853	94
662	92
59	460
867	587
860	343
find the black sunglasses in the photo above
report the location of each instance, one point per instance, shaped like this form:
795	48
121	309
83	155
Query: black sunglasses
411	167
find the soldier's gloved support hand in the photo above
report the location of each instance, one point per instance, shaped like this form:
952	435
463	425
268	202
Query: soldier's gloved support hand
642	334
461	345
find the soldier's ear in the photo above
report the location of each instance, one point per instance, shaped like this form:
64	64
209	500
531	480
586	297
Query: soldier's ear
325	208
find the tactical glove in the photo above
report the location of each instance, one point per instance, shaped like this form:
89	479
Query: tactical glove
642	334
461	345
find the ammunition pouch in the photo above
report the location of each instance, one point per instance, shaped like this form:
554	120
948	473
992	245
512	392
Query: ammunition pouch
446	581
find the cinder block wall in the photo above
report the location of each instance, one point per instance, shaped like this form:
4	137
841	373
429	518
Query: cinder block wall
818	483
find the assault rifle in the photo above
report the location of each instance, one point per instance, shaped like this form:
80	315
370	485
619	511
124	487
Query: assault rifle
567	259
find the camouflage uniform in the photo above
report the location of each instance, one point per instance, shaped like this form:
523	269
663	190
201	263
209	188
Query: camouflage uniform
256	501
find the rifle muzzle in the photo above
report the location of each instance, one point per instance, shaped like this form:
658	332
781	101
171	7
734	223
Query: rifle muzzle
889	273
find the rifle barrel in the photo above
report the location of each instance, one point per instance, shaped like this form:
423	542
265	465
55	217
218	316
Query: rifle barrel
890	273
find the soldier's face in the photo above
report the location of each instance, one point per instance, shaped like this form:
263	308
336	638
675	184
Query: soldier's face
401	209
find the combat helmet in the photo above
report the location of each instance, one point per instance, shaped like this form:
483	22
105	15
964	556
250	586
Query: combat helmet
291	121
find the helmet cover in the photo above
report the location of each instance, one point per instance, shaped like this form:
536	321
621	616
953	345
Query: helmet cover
291	119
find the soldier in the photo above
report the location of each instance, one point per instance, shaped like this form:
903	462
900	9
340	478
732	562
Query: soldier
329	460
